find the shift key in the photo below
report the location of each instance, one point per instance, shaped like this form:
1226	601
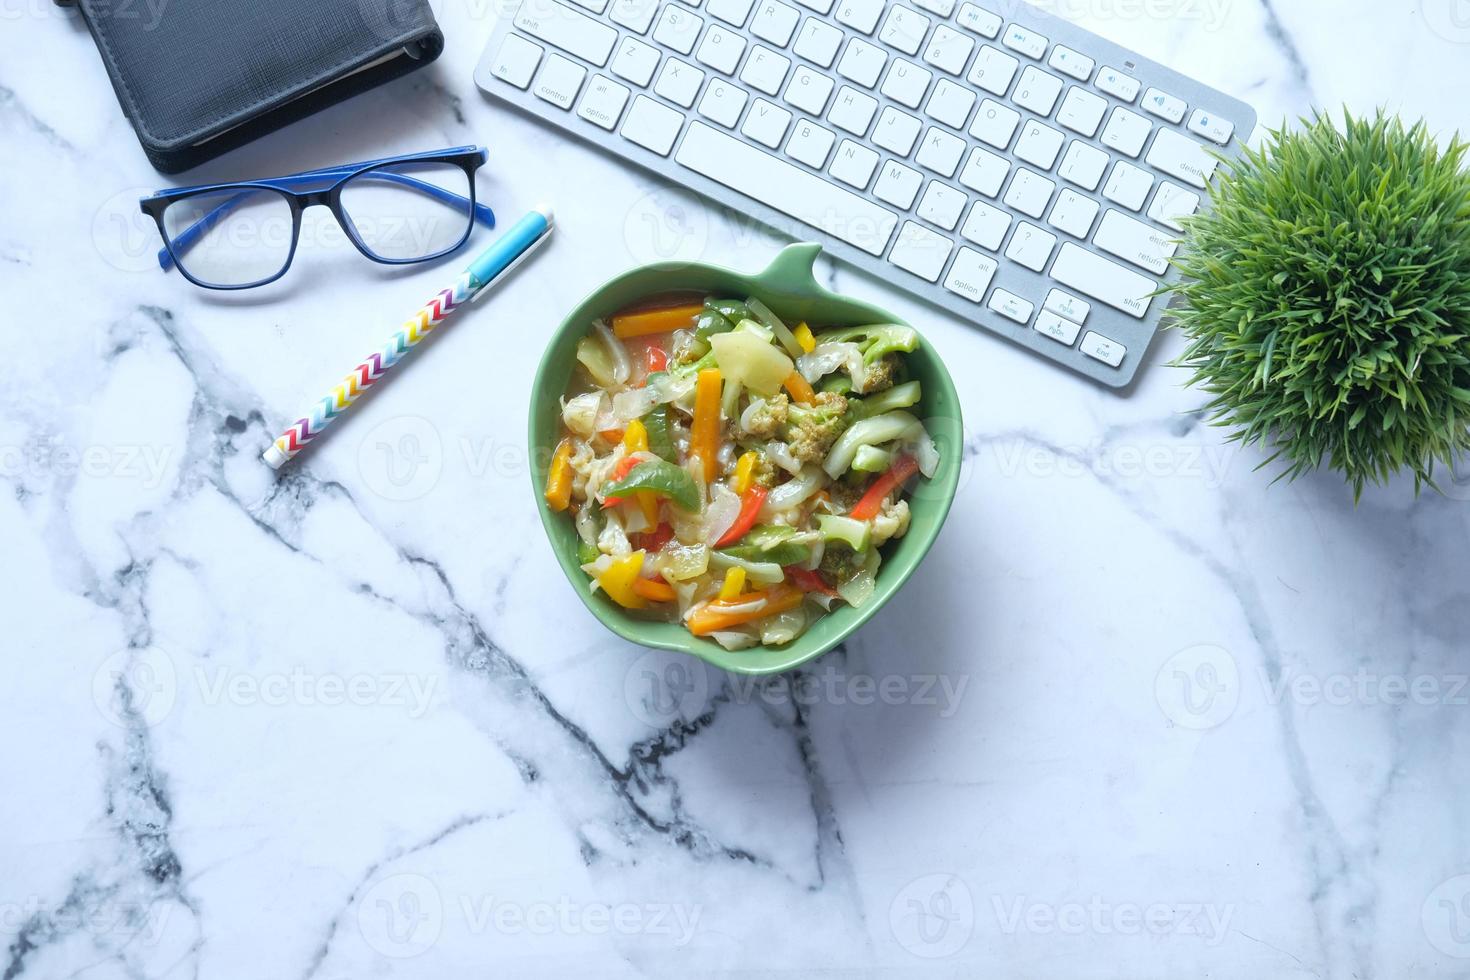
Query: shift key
569	30
1104	280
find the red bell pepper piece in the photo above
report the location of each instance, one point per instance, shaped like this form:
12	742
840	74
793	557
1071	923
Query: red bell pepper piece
867	508
621	470
750	508
651	541
808	580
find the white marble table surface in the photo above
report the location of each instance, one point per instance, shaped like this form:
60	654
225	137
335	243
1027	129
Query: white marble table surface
1140	714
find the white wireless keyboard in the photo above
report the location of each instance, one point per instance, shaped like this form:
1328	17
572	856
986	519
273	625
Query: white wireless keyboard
992	159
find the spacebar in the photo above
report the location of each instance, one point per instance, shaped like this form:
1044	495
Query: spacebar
787	188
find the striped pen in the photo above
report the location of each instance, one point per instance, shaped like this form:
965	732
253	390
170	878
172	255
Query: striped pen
500	258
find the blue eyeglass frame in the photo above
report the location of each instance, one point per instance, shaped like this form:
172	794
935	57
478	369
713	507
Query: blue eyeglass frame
467	158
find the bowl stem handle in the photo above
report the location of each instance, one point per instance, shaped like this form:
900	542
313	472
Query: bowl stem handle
792	269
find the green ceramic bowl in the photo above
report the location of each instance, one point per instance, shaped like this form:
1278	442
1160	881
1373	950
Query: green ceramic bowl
788	287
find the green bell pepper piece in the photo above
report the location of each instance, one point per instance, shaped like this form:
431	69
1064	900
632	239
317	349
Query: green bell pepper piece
661	477
587	552
710	322
731	309
660	432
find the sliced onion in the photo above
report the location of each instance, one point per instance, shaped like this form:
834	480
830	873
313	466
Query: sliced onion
794	492
780	454
622	368
826	358
586	524
759	572
756	404
783	627
858	589
733	639
918	442
774	324
719	516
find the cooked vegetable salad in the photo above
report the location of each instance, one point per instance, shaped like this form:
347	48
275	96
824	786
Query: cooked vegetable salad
736	473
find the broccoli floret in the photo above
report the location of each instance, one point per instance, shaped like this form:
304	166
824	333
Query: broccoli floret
881	374
839	563
880	344
811	429
765	471
768	419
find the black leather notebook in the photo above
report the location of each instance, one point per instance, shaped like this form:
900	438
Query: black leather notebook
199	77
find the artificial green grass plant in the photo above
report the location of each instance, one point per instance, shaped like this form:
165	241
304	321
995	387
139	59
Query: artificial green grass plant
1326	297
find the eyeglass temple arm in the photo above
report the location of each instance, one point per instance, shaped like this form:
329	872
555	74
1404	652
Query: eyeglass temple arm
186	239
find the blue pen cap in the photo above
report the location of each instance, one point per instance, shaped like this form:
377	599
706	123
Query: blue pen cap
511	245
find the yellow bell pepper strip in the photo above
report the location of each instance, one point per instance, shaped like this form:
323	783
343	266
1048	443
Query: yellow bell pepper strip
871	503
750	508
559	477
717	614
704	431
734	584
618	579
647	322
804	338
635	440
654	590
800	390
659	477
745	471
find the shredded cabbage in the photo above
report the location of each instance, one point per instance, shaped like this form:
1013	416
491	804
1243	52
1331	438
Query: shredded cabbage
579	414
826	358
621	368
795	491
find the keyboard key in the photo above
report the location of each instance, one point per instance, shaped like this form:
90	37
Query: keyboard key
766	123
603	102
993	70
904	29
896	131
1100	348
949	50
970	275
1117	84
940	152
822	7
678	29
1029	193
853	164
862	62
906	83
559	80
517	60
861	15
652	125
982	22
1061	330
635	61
1070	62
1029	43
721	49
1082	112
730	11
596	6
951	103
635	15
995	124
810	144
765	70
1031	247
1037	91
1128	186
852	110
1171	203
1067	305
986	226
1011	306
1084	165
1104	280
565	28
1039	145
1126	132
985	172
787	188
942	205
1211	127
898	185
921	251
941	7
1181	157
1074	214
723	102
679	82
808	90
1164	105
775	22
818	42
1135	242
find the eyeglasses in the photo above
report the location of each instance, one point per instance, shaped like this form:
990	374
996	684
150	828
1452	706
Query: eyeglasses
396	210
